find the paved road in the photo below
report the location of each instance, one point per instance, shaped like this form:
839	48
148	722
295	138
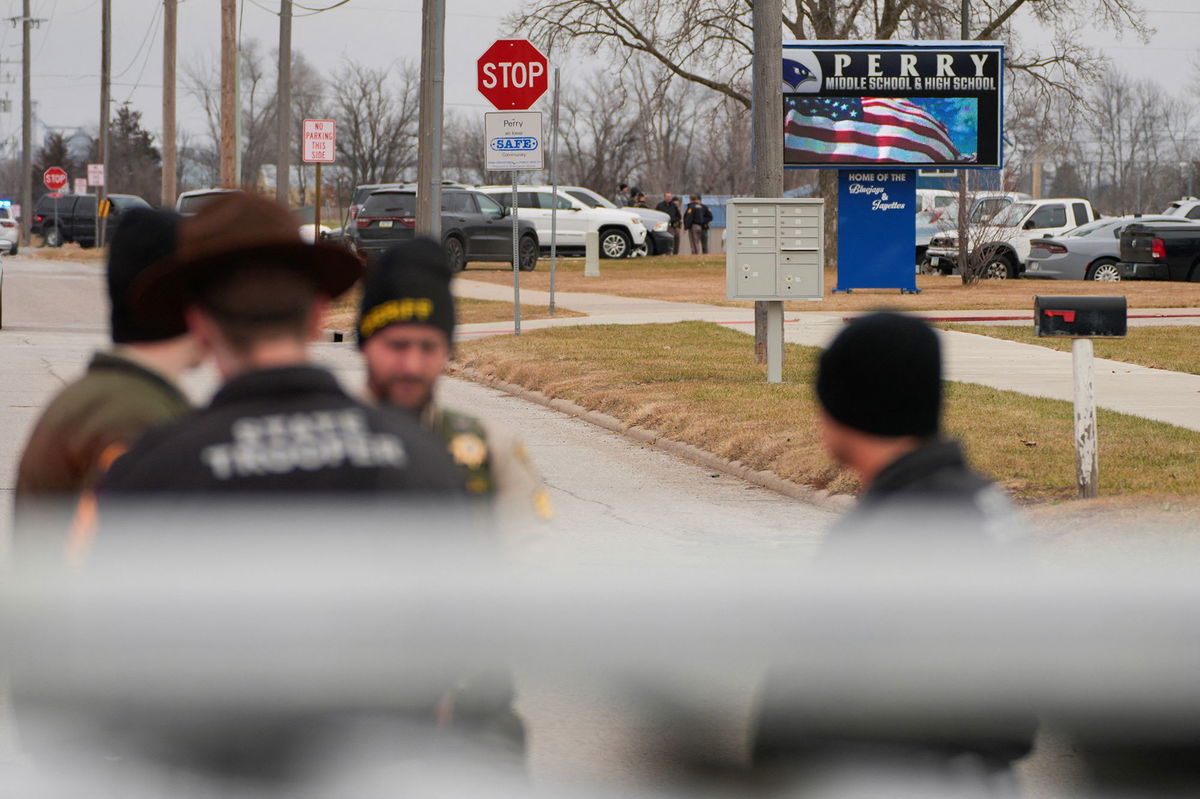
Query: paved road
614	500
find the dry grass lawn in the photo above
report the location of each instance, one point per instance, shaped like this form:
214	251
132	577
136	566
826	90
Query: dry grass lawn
690	278
343	313
67	252
1174	347
697	382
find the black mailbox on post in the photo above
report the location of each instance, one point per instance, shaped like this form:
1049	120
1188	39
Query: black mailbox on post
1079	317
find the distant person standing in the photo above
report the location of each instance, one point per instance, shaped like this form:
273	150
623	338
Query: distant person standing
670	207
639	199
696	219
621	198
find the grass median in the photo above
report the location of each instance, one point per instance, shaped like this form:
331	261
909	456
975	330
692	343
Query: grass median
697	382
701	278
1174	347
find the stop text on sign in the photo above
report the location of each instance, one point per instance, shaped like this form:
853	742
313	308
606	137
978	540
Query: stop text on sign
512	74
319	139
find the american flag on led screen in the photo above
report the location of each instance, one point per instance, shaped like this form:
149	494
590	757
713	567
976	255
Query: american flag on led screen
852	130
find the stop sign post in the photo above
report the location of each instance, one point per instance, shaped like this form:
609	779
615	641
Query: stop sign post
513	74
55	178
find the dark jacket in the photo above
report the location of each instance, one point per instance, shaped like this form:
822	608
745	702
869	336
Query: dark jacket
697	214
671	210
290	429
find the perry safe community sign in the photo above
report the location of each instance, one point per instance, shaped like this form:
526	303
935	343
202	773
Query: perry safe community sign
513	140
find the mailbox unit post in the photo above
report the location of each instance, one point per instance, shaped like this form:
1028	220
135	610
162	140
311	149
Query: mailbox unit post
1082	319
775	251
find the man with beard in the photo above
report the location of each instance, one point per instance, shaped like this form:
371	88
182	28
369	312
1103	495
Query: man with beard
406	330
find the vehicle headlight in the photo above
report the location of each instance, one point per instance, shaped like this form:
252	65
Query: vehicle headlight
635	220
661	226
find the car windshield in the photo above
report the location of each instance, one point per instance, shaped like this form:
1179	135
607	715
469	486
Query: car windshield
125	203
193	203
1091	227
390	204
589	199
1012	215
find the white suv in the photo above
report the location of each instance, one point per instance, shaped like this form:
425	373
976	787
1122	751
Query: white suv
1188	208
621	232
1007	236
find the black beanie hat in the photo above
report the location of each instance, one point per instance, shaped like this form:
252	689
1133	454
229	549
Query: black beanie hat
143	238
409	284
883	375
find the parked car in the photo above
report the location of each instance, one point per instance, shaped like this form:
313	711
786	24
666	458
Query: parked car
1004	241
620	231
942	223
59	218
932	199
475	227
659	240
1188	207
1089	252
1161	251
10	229
190	202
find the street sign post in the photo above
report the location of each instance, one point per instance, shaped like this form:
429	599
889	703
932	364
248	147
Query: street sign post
512	142
55	178
81	186
319	146
513	74
95	174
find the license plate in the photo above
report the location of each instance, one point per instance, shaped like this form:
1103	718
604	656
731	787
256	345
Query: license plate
934	261
1033	266
386	223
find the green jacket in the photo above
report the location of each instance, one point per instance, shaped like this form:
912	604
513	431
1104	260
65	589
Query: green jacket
90	422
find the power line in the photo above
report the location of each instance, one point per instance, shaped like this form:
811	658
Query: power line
145	39
145	60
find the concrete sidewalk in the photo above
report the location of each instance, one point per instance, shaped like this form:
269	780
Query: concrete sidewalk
1158	394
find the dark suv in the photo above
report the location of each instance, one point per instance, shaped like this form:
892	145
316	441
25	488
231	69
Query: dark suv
59	218
474	227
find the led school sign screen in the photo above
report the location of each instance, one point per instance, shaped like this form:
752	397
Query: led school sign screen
911	104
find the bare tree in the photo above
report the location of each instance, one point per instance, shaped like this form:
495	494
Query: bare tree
377	114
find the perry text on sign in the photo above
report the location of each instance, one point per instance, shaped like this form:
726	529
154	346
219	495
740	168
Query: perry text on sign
319	137
513	140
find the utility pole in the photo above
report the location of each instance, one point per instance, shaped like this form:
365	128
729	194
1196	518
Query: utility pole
105	91
284	93
429	127
767	20
26	127
964	268
170	9
229	94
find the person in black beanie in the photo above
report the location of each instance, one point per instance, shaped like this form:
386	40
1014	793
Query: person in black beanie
406	333
125	390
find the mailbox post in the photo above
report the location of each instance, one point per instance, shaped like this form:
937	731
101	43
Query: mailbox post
1082	319
775	251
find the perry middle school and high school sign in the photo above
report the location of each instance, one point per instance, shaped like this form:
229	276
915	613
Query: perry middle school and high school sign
929	104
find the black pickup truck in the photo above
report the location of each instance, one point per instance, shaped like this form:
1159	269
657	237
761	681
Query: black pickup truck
59	218
1160	251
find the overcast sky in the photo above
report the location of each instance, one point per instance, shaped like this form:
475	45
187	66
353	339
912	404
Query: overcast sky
66	49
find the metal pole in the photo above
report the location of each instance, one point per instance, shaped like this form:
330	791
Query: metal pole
229	177
767	16
516	263
26	129
105	85
317	208
963	230
554	186
283	131
1087	456
429	126
774	341
170	14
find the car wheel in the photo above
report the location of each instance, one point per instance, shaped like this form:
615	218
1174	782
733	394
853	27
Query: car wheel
1105	271
456	254
53	237
527	253
13	249
615	244
998	268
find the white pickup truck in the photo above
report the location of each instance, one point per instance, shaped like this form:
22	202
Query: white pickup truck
1005	239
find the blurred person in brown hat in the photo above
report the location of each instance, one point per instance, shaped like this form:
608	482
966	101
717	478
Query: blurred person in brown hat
126	389
406	333
255	295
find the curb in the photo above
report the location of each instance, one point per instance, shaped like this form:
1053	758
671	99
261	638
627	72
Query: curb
837	503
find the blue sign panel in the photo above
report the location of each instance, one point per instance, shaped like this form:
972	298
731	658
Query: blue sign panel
877	214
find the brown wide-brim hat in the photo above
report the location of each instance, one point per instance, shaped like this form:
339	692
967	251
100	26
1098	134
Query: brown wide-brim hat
230	233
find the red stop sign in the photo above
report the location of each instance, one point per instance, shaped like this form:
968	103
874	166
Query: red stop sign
55	178
512	74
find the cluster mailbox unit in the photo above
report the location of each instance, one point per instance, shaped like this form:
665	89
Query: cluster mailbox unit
775	249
